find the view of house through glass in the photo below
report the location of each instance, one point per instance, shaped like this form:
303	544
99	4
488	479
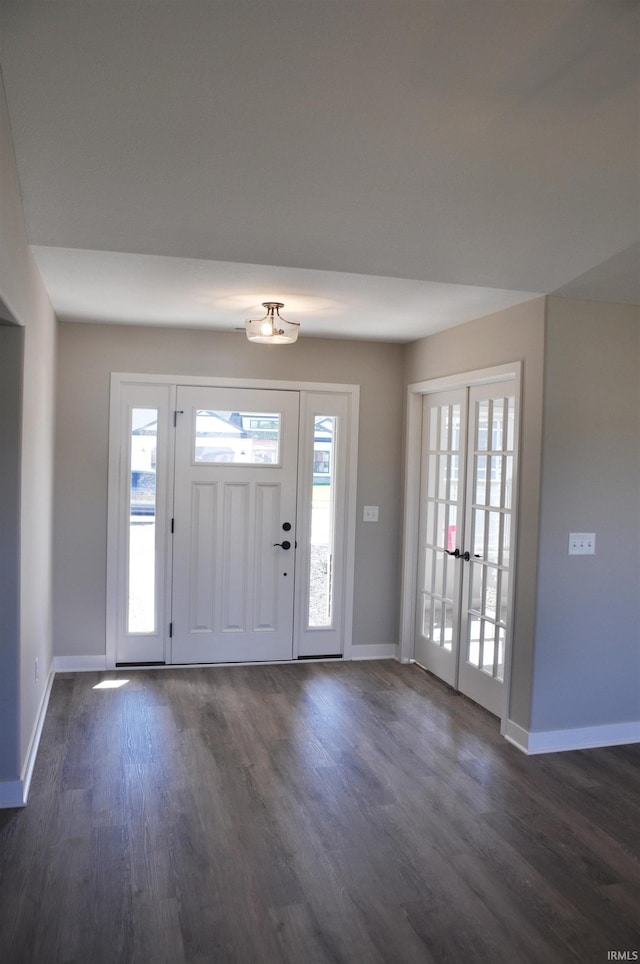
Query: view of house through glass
242	438
141	603
322	522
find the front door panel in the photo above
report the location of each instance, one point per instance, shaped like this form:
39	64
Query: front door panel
235	489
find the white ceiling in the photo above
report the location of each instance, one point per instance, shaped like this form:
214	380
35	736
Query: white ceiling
387	169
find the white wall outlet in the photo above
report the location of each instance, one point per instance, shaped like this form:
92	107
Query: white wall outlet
370	513
582	543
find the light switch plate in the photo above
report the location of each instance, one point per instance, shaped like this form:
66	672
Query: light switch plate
582	543
370	513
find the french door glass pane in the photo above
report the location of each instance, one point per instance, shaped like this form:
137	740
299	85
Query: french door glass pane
444	427
495	496
429	570
490	592
437	621
497	424
482	426
447	641
499	672
493	542
481	479
473	646
430	530
141	597
241	438
426	617
488	648
504	595
322	522
478	533
510	423
443	476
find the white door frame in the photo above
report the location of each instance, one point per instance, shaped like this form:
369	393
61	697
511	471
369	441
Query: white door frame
121	380
413	443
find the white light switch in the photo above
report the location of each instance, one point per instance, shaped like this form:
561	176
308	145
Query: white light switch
370	513
582	543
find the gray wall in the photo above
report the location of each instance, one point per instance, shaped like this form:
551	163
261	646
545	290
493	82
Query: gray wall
23	300
88	353
587	644
516	334
11	353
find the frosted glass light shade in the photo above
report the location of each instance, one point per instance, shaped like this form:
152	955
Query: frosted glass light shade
272	329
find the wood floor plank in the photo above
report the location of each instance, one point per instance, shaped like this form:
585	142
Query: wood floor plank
319	813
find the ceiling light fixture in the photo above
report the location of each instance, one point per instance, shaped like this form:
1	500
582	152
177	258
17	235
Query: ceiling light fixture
273	329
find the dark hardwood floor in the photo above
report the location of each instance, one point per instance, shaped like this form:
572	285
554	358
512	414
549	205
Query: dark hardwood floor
356	812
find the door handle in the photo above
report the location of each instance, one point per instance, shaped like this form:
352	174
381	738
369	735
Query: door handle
467	556
453	552
283	545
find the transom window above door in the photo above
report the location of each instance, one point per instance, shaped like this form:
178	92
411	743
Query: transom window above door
237	438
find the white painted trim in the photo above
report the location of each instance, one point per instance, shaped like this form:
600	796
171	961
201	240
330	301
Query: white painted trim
375	651
516	734
80	664
480	376
337	638
14	793
351	514
11	794
580	738
98	664
34	743
213	381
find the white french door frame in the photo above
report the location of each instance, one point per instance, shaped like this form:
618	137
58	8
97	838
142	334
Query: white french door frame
118	479
409	580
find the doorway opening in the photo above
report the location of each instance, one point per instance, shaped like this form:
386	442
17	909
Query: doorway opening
231	520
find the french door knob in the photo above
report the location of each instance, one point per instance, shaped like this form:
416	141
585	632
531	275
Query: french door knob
453	552
283	545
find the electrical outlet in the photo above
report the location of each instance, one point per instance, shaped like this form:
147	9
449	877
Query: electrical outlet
370	513
582	543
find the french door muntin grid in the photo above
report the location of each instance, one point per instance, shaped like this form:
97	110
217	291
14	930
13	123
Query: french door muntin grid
444	487
490	499
465	594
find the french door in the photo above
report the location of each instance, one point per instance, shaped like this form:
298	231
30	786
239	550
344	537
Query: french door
236	463
466	538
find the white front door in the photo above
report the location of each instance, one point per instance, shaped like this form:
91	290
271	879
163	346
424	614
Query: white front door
469	442
234	524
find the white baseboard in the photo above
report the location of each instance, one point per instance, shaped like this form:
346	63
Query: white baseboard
14	793
581	738
375	651
79	664
517	735
34	743
11	794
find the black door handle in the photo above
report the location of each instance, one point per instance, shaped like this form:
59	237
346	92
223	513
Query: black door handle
467	556
283	545
453	552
